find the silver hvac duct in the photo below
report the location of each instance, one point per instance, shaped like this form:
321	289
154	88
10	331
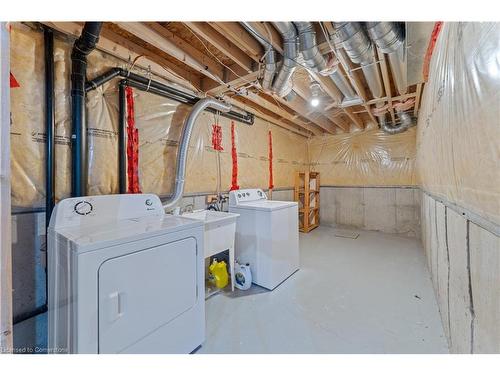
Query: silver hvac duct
343	85
315	61
269	57
283	83
406	122
360	50
180	173
388	36
308	46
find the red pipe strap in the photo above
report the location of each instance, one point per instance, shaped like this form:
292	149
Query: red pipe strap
234	157
217	137
430	48
271	182
132	145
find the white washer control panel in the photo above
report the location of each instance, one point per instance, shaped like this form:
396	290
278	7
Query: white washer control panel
246	195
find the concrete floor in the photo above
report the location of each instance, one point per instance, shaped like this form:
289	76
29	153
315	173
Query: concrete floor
372	294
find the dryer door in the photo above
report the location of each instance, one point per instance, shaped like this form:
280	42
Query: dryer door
140	293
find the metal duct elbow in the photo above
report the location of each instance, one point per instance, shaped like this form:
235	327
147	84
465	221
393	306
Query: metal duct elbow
269	57
269	69
406	122
389	37
359	48
182	153
308	46
283	82
314	60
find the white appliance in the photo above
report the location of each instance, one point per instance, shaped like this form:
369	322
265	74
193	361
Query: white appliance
267	236
124	277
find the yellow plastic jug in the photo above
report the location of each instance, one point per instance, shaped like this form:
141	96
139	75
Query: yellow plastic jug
218	274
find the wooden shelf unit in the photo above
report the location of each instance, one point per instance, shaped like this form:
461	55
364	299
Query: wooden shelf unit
306	193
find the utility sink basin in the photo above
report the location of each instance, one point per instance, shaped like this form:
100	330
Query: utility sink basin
220	229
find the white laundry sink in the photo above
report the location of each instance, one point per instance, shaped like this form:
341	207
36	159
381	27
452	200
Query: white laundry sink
220	229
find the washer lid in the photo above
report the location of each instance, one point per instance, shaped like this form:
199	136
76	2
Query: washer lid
87	238
266	205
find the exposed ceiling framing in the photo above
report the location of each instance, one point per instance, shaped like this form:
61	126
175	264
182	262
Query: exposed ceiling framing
222	59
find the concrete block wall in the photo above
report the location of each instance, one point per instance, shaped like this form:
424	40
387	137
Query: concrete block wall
28	281
385	209
463	257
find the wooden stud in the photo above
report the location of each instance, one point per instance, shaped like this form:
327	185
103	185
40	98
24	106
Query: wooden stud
304	93
328	86
237	100
237	34
124	49
417	99
205	31
6	331
387	82
201	56
357	121
396	98
300	106
157	40
234	81
273	107
269	32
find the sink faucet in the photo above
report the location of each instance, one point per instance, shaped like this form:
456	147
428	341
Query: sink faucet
217	203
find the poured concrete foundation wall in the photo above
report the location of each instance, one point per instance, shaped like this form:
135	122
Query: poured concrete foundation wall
464	261
385	209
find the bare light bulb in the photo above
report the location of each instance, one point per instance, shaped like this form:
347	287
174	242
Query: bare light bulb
314	102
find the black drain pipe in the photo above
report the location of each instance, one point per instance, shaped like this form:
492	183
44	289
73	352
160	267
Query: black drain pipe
84	45
158	88
122	138
48	36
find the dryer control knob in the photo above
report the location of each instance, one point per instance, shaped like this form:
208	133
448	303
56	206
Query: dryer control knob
83	208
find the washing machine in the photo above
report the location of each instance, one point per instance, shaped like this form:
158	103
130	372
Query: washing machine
267	236
124	277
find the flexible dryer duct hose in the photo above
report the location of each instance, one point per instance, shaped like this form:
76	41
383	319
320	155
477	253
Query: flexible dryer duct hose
180	175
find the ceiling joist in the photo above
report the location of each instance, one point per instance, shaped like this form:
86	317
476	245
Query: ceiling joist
208	33
221	59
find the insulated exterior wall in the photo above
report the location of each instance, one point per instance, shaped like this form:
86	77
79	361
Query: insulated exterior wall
27	118
458	151
464	262
159	121
459	121
368	158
